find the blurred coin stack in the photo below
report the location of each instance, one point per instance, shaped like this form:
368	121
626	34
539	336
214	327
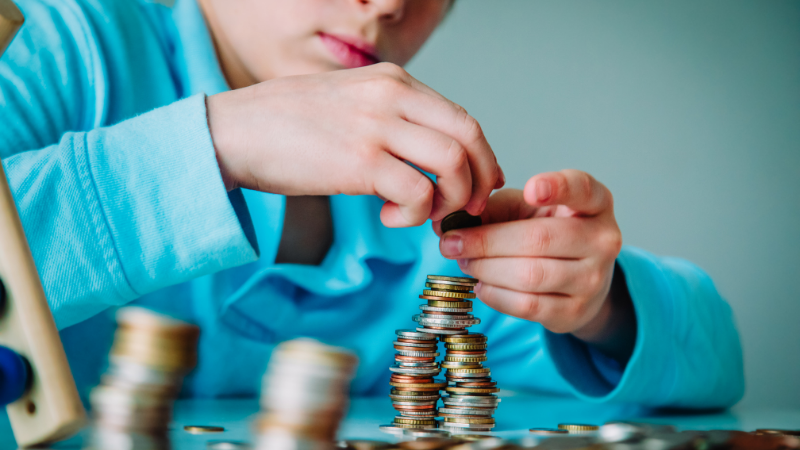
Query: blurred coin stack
304	396
414	391
471	401
150	356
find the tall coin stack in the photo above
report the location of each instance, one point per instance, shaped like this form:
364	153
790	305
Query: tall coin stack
150	356
304	396
414	392
471	401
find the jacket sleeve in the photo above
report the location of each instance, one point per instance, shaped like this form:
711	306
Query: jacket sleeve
110	213
687	354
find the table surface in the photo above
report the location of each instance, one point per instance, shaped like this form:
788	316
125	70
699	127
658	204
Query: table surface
516	414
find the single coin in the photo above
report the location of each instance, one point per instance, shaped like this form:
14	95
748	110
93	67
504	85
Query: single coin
411	393
422	413
440	331
453	279
448	294
413	421
547	431
471	390
449	375
433	309
478	384
413	398
465	347
418	385
202	429
466	411
466	371
460	219
436	316
228	445
415	335
472	338
472	358
447	323
449	303
416	354
489	400
414	344
461	365
448	287
431	298
577	427
487	420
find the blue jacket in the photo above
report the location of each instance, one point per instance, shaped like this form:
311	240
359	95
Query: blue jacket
104	138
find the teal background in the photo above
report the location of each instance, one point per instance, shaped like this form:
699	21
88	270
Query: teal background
689	111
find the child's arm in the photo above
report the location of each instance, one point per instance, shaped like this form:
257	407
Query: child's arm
662	336
110	213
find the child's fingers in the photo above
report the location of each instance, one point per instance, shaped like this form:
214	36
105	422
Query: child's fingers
440	155
408	193
552	237
448	118
554	312
535	275
573	188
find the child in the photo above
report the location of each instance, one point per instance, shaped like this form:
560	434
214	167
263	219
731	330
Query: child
182	158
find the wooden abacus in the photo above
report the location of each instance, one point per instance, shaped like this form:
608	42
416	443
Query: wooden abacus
50	408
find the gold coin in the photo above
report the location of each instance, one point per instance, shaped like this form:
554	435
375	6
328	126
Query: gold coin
418	385
577	427
448	287
465	347
201	429
456	279
448	294
469	419
465	358
474	338
469	390
413	421
481	370
449	304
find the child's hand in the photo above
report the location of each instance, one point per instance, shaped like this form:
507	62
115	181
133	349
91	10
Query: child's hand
546	254
350	132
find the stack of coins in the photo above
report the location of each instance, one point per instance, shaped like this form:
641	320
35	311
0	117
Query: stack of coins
150	356
304	396
414	392
449	305
471	401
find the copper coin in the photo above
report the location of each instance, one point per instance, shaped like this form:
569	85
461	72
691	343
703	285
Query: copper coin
414	349
415	341
413	408
414	358
481	384
465	352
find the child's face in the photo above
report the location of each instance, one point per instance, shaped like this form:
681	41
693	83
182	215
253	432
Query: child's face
263	39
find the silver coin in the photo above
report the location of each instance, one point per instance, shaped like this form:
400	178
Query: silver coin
416	434
467	411
454	283
414	344
402	363
448	322
469	380
472	375
416	317
432	331
415	403
430	309
414	398
471	426
417	354
411	334
461	364
419	414
471	400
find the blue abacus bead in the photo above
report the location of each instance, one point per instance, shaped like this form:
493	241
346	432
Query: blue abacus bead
13	376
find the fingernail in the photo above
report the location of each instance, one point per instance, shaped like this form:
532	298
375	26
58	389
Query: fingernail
463	263
543	190
478	287
452	245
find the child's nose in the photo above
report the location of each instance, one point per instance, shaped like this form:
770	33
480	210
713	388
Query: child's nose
386	10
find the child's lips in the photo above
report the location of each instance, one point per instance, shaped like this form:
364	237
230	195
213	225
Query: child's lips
350	52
